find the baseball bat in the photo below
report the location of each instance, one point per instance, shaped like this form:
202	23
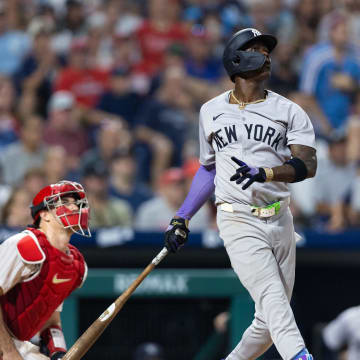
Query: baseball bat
87	339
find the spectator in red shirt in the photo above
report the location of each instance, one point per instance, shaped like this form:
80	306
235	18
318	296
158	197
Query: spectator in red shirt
160	30
85	82
64	127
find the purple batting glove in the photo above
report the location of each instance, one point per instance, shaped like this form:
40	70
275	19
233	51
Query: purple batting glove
247	172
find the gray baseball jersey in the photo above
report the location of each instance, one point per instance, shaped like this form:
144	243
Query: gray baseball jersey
259	134
344	330
261	251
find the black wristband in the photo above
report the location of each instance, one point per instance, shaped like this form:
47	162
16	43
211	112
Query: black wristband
301	171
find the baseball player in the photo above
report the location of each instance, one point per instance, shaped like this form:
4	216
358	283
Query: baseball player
252	143
342	335
39	269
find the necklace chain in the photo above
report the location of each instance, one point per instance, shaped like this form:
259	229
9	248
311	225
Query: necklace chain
243	104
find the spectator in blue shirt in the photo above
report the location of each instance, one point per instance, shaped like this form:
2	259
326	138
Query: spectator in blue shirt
162	124
120	99
35	75
122	180
201	62
330	75
14	45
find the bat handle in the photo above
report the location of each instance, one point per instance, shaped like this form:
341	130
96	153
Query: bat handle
157	259
180	232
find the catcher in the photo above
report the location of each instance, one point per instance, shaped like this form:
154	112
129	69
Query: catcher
39	271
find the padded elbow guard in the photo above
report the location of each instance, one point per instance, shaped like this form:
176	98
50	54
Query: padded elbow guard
300	168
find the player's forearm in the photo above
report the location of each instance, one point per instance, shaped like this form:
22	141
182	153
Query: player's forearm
288	173
7	345
202	187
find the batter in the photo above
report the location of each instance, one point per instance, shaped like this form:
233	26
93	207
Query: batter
252	143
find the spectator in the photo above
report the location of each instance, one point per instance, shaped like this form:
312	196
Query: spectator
63	127
158	31
85	82
16	212
201	61
35	75
129	17
282	22
71	26
110	136
120	99
105	210
14	44
29	152
34	181
122	180
56	165
260	13
149	351
153	215
353	131
333	183
5	191
306	14
348	8
284	78
162	124
330	74
354	211
9	126
125	52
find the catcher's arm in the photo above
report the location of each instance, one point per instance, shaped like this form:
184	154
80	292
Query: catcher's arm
7	346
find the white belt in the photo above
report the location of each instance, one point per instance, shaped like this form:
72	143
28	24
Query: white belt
260	212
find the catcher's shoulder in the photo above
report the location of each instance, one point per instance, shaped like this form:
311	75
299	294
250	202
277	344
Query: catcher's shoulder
29	248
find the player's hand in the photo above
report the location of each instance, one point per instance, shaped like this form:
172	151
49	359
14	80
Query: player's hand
58	355
247	172
176	234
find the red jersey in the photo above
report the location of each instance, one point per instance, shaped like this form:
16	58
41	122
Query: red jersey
153	43
87	85
30	303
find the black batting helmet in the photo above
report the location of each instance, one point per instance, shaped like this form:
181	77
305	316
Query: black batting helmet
236	60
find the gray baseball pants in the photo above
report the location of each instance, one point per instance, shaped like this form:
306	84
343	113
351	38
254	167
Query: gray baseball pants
262	254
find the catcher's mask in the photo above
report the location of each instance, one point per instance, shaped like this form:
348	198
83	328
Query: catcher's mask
52	197
237	61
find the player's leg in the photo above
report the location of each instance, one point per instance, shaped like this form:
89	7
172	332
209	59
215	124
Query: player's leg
254	342
284	249
247	242
256	339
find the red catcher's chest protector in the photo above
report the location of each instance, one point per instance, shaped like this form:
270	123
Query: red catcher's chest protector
29	304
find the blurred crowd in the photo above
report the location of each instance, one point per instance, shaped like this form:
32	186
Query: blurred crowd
107	92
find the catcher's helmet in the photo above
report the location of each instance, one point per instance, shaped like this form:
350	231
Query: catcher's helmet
236	60
51	197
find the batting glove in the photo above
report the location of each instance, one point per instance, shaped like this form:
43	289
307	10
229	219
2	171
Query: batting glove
247	172
176	234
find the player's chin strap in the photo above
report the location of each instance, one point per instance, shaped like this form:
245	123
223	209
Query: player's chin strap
53	342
